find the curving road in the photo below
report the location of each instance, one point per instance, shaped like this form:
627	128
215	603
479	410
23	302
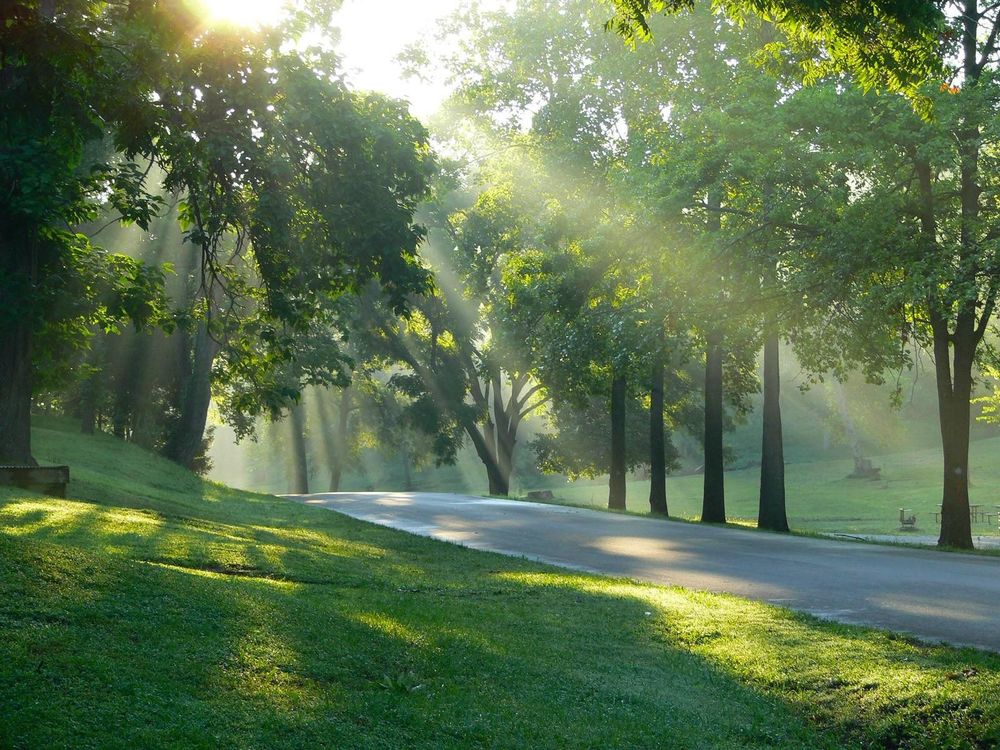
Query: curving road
932	595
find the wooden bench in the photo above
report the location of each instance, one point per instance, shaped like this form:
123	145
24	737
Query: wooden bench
48	480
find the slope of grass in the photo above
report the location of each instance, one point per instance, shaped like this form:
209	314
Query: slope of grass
156	610
822	499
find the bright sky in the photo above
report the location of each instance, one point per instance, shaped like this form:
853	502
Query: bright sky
373	33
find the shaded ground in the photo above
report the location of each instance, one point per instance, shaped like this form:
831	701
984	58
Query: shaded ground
939	597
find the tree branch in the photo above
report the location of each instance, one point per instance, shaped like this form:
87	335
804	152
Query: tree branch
990	46
534	407
751	215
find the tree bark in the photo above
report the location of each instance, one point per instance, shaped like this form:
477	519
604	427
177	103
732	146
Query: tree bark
496	442
954	395
505	466
18	272
486	455
657	442
340	440
771	513
18	276
713	509
88	412
185	441
300	462
495	480
861	464
15	394
616	489
407	472
713	502
506	436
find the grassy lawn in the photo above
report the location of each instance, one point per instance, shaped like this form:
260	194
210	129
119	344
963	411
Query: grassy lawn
156	610
822	499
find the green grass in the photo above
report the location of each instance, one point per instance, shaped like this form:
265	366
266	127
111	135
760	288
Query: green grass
822	499
155	610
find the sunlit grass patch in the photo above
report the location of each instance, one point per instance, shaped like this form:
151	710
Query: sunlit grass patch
325	542
29	516
391	627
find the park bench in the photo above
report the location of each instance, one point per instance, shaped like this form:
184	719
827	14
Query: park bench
48	480
907	519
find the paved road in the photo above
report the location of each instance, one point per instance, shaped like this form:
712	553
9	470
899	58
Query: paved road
935	596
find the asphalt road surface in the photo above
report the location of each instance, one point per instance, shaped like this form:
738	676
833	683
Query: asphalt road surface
932	595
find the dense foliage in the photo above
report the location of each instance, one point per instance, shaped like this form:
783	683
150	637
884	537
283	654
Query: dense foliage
291	190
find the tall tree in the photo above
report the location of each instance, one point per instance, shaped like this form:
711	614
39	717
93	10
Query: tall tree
657	439
55	61
300	459
923	230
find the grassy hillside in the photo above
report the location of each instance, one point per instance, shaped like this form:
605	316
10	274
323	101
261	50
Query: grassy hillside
156	610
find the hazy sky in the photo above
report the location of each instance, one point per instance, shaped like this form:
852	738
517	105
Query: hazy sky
373	33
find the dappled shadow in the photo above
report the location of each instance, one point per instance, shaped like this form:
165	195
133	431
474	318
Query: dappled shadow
874	688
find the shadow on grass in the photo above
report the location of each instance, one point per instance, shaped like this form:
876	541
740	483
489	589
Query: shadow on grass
154	655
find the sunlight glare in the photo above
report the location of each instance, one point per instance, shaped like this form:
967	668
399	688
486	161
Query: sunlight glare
244	12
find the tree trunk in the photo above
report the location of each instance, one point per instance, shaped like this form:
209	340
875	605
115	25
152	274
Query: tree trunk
616	492
15	394
407	472
771	514
495	481
954	395
495	443
88	413
862	465
340	439
657	443
506	438
91	387
18	271
185	441
713	509
300	462
713	502
505	463
486	453
336	475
